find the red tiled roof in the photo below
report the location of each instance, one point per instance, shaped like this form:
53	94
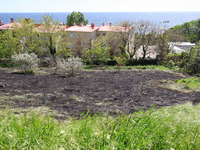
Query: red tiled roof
75	28
82	29
8	26
54	28
114	28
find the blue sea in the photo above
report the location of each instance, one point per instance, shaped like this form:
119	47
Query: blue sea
175	18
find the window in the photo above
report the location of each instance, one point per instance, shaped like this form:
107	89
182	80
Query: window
104	34
71	35
98	34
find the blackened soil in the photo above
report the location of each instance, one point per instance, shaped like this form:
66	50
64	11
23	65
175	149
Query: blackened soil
98	91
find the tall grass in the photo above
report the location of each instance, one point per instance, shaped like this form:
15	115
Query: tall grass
166	128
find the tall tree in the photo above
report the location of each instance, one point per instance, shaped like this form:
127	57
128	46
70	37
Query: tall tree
25	37
76	17
145	36
122	36
165	41
53	36
48	33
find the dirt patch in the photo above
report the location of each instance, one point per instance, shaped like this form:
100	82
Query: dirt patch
97	91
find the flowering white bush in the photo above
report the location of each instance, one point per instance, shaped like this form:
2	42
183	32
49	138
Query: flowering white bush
26	61
71	65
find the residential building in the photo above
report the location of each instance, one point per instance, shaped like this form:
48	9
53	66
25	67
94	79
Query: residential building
82	37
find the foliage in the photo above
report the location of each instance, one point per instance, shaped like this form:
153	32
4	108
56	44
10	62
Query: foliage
114	42
174	127
190	30
31	71
165	41
170	64
174	57
42	39
197	47
25	37
63	50
99	51
190	82
144	36
126	39
146	61
190	62
49	33
6	46
76	17
54	38
26	61
71	65
120	62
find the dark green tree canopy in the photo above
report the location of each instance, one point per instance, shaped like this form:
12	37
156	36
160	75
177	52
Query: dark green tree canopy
191	30
76	17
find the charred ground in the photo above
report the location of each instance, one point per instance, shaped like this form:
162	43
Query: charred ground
98	91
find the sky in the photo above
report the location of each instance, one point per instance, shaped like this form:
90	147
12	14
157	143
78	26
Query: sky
98	5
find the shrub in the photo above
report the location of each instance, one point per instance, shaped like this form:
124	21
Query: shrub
120	62
170	64
190	62
99	52
71	65
26	61
174	57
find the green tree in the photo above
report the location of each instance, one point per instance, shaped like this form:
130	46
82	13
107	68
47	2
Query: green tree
53	37
165	41
76	17
6	44
25	37
191	30
121	39
48	32
99	51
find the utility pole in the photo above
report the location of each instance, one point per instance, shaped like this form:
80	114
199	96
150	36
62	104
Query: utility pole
165	23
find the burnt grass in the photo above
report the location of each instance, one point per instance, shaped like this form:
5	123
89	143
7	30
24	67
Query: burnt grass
114	92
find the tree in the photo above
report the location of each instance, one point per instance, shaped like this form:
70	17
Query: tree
79	44
48	32
53	37
99	51
25	37
63	50
144	36
165	41
6	44
76	17
190	30
114	42
122	37
190	61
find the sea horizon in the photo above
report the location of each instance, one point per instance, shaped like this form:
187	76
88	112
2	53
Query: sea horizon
175	17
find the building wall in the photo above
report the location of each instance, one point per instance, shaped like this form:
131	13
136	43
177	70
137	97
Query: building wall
81	41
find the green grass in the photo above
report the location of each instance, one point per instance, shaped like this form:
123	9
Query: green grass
152	67
190	83
167	128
